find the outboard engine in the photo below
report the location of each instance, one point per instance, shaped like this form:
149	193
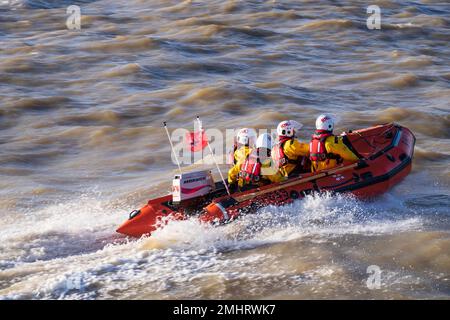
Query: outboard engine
192	185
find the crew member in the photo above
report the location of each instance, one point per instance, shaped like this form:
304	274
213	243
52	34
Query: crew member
289	153
257	165
245	141
325	149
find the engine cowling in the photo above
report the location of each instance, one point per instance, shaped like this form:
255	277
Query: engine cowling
192	185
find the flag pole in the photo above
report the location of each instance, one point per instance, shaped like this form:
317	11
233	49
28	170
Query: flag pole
214	158
171	146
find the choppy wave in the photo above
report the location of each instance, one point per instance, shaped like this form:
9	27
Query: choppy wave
92	265
45	4
84	108
433	125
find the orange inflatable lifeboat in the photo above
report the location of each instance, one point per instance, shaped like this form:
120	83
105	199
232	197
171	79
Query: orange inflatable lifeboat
385	151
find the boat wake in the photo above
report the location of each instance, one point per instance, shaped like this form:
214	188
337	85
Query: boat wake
187	259
316	216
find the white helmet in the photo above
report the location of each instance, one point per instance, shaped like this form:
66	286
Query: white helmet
325	122
288	128
264	141
297	126
246	137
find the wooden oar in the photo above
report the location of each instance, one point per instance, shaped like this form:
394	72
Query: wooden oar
283	185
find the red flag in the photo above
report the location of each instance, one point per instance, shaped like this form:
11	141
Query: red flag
197	140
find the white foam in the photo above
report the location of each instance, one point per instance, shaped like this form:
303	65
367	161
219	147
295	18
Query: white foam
59	230
179	254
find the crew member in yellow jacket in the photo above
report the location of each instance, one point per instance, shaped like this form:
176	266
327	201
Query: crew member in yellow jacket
325	149
257	165
289	153
245	142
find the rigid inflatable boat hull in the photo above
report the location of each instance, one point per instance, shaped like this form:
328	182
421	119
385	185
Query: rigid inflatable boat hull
387	151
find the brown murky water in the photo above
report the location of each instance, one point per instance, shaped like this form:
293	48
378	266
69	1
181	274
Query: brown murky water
81	145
